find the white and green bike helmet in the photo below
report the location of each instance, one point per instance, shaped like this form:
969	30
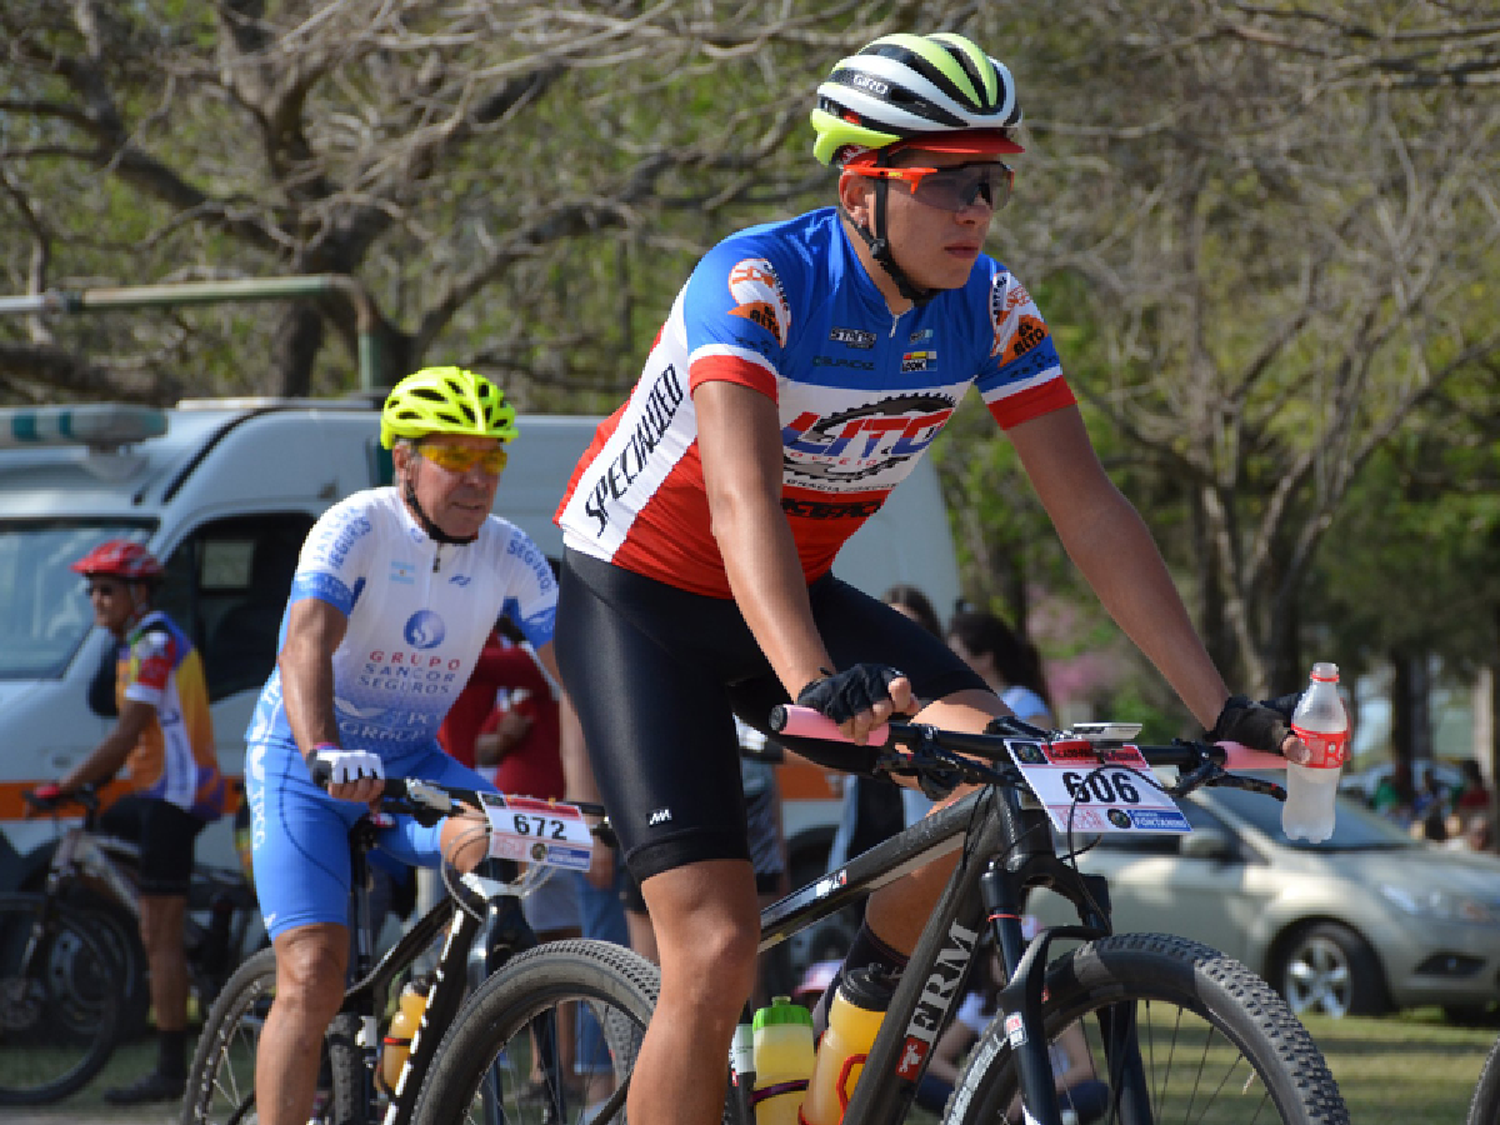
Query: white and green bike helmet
942	88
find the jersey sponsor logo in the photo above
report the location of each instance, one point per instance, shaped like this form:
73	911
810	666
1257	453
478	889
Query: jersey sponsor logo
424	629
853	337
615	479
1029	333
459	580
659	816
403	573
921	334
918	361
843	361
826	510
334	541
759	297
937	997
860	442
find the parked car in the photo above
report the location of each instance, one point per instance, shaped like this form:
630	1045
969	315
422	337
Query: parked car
1366	922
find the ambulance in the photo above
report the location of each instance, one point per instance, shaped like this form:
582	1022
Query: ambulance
223	491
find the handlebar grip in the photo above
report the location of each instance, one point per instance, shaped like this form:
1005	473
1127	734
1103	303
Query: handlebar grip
804	722
1237	756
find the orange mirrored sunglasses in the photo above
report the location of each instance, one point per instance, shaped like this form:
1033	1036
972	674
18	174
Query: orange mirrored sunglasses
462	458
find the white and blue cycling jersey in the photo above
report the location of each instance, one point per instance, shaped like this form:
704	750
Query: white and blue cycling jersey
418	614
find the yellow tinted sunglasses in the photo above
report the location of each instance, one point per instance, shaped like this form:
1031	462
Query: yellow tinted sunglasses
462	458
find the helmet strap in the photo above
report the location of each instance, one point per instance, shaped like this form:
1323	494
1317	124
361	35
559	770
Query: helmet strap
434	532
880	249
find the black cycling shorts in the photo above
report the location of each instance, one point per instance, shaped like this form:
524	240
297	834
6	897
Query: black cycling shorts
165	834
657	675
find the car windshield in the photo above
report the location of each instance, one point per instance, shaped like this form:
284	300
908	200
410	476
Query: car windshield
44	613
1356	828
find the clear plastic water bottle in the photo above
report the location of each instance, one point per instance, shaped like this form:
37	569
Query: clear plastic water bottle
1321	723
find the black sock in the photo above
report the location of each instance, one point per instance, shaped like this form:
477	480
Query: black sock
171	1053
865	950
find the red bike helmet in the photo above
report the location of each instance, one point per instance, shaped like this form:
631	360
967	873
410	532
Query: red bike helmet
122	559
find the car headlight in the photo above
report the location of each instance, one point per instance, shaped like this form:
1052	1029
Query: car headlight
1444	905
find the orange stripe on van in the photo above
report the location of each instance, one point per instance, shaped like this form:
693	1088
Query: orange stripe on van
13	804
802	781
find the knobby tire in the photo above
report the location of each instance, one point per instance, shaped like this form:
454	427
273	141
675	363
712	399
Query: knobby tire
1216	1042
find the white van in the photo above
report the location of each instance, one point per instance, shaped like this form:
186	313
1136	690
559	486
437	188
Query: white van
224	491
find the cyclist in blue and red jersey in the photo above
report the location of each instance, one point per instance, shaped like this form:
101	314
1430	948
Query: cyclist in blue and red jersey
164	737
804	368
394	595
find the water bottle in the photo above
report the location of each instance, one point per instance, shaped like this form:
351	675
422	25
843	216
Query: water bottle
396	1046
1320	722
783	1053
853	1019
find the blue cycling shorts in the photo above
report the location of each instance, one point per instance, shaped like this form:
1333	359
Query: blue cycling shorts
300	835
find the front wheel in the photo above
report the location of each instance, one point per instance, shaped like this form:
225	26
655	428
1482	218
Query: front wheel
221	1084
61	1004
549	1039
1485	1108
1215	1044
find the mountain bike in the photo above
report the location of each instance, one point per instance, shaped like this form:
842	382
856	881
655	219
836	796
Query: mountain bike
1175	1030
481	927
73	980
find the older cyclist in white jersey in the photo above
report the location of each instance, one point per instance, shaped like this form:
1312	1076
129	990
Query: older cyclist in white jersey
394	594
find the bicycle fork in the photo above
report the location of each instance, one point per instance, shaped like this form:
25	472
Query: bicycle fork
1003	888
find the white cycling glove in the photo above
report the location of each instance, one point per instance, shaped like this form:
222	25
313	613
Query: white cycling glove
339	765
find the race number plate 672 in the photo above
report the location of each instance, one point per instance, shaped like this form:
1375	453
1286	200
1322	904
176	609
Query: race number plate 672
548	833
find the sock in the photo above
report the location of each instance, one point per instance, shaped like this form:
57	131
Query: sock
865	950
171	1053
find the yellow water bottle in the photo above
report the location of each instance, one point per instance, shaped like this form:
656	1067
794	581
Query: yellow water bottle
783	1061
396	1046
854	1017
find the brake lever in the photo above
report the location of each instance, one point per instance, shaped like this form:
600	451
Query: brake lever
1251	784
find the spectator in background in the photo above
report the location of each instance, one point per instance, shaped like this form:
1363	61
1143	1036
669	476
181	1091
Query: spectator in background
1011	666
873	811
1395	797
165	737
1473	795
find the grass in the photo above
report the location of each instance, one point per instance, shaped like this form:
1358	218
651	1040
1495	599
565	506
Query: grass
1412	1069
1408	1070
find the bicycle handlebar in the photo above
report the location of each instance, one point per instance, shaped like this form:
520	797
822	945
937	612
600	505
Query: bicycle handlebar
793	722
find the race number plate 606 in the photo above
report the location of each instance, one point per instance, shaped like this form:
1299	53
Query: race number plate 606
1088	788
543	832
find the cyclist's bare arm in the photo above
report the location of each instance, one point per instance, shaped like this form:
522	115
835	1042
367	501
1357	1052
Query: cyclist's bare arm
1107	539
739	443
314	629
105	760
578	774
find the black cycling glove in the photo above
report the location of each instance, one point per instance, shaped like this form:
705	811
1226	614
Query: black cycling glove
845	694
1260	726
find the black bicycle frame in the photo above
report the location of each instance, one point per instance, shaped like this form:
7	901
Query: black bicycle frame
503	932
1007	850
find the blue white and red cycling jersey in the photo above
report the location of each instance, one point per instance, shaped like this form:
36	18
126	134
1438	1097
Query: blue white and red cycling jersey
788	309
419	613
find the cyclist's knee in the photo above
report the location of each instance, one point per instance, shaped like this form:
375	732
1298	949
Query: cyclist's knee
310	965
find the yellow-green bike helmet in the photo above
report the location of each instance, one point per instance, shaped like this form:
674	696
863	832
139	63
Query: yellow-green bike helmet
942	90
446	400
